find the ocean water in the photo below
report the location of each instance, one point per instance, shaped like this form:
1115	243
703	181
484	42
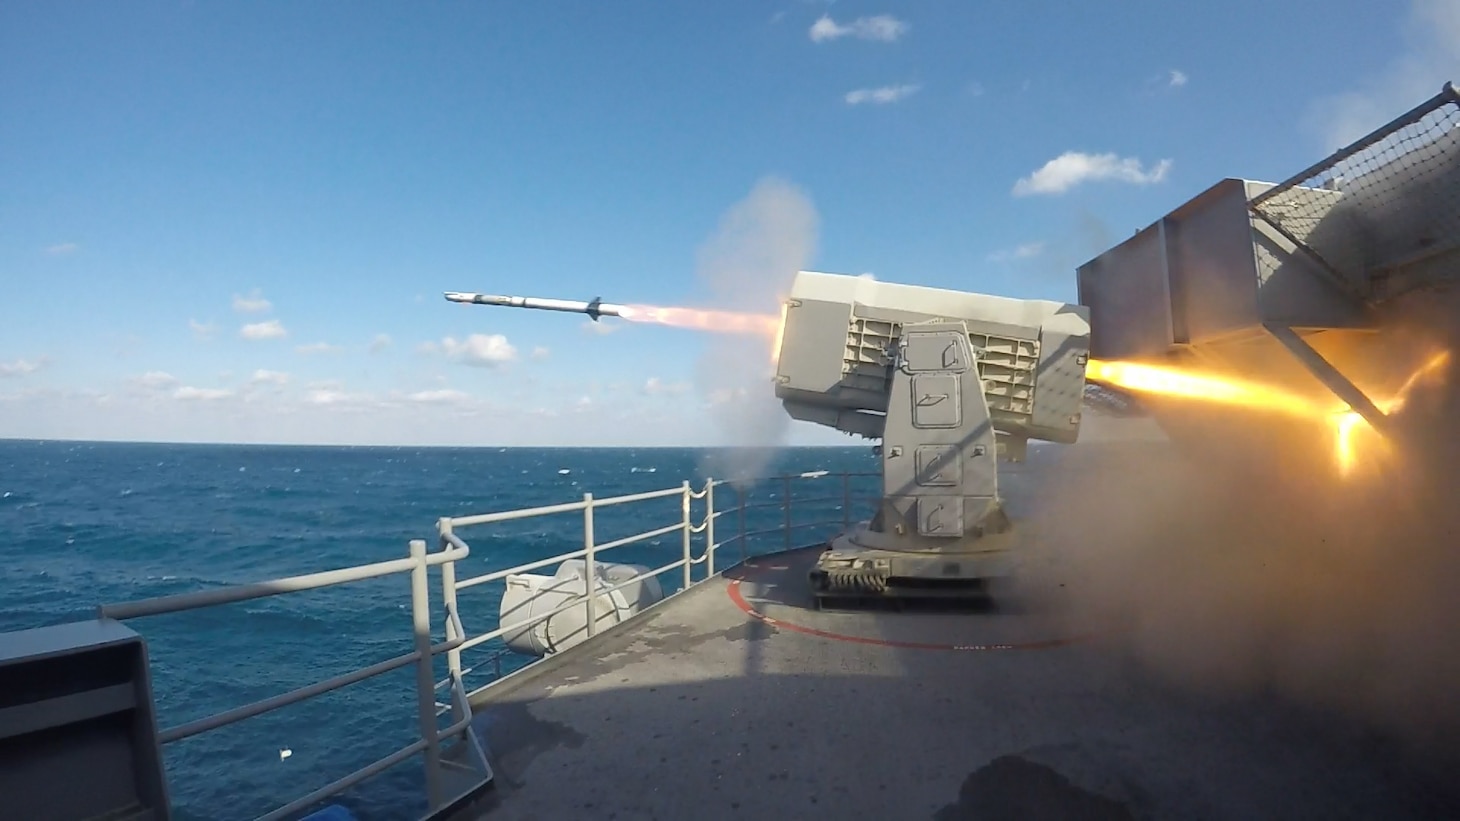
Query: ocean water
83	524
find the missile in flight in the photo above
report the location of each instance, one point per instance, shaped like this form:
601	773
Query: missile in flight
594	308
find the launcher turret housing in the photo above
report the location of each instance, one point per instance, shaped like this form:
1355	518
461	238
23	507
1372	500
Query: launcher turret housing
948	381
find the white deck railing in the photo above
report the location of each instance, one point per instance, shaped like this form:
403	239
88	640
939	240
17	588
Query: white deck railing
449	779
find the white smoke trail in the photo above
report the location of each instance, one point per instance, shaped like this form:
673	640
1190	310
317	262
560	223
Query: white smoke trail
748	265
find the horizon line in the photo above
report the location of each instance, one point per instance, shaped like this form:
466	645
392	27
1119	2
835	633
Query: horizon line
443	446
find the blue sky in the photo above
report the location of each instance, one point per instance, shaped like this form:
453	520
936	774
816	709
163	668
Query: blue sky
172	174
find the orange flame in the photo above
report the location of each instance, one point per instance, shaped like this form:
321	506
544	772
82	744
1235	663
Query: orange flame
1346	422
1168	381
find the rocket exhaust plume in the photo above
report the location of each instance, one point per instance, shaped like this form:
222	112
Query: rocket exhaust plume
1347	425
767	327
731	322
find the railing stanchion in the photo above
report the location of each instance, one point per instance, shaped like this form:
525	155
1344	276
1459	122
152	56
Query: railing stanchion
590	569
448	600
688	531
425	679
709	527
786	506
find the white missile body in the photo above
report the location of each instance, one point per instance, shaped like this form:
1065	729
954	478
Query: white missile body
593	308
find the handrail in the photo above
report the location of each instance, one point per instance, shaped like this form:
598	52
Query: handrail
292	584
694	525
510	515
237	714
521	568
417	565
648	534
691	526
341	784
638	497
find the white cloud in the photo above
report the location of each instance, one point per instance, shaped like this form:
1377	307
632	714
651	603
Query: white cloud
654	386
262	376
882	27
318	347
540	353
20	367
444	395
1028	250
1430	56
1073	168
272	329
334	396
187	393
600	326
380	343
254	303
482	350
63	249
428	347
202	330
975	89
155	380
1176	78
880	96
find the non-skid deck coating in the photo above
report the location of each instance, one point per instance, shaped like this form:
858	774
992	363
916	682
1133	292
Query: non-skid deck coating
738	700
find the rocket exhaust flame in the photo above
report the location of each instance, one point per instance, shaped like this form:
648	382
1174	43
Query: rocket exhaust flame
733	322
1347	424
1167	381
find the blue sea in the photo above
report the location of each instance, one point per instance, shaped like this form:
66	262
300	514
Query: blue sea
84	524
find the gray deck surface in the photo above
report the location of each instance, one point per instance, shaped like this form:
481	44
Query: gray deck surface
700	711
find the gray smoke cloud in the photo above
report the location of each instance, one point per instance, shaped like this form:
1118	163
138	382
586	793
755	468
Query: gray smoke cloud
1234	567
1234	563
748	264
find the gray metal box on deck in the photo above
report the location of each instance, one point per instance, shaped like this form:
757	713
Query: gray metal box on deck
1206	272
78	732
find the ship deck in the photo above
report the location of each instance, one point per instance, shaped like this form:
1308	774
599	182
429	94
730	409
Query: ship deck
738	699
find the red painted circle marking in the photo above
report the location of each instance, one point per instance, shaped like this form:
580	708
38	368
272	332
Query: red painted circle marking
739	599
